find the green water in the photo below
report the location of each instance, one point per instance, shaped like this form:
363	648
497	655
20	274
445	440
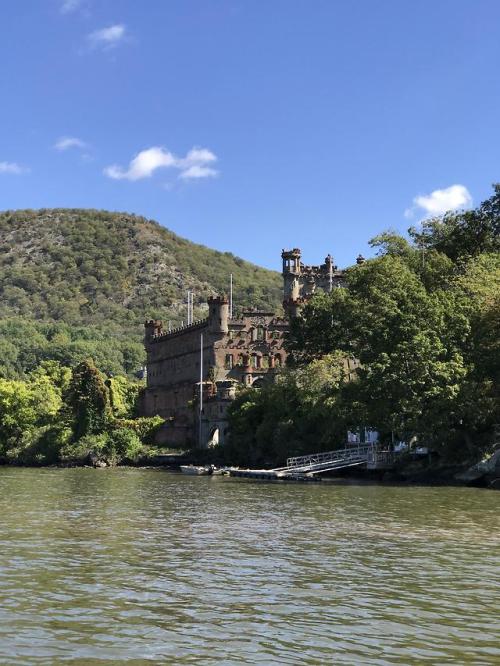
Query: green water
146	566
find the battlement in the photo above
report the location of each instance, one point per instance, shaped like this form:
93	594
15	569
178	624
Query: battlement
218	300
173	332
301	281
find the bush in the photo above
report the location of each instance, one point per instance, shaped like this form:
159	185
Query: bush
122	444
86	448
145	427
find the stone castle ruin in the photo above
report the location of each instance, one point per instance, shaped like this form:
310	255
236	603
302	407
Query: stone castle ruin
245	350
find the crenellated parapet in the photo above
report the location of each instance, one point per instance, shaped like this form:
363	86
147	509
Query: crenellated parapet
179	330
300	282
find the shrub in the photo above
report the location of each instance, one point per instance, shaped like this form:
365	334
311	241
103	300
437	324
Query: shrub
122	444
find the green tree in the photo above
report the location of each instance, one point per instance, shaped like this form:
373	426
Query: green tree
408	340
465	234
299	413
86	400
26	410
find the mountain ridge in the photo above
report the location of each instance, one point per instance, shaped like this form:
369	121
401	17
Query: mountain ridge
107	272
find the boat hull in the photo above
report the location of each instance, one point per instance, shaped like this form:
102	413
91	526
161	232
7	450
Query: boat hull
195	470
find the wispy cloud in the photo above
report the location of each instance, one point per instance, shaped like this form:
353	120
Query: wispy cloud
67	142
193	166
69	6
439	202
13	168
107	38
197	171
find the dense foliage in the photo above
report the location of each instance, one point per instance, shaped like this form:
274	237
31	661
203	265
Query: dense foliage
74	416
423	319
79	283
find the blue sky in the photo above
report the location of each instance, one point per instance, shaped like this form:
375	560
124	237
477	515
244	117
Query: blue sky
250	126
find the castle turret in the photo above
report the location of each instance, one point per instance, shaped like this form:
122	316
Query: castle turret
301	282
152	327
329	271
218	314
291	260
291	274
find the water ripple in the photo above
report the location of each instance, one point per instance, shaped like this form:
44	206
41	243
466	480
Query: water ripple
143	566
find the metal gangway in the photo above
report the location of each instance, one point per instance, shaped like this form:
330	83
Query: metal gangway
361	454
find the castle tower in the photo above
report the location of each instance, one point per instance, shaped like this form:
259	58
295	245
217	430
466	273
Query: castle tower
152	327
329	271
218	314
301	282
291	275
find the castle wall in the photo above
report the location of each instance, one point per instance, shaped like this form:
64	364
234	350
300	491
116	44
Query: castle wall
245	350
301	282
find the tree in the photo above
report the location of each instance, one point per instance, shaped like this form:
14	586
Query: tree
465	234
26	409
407	339
86	400
298	414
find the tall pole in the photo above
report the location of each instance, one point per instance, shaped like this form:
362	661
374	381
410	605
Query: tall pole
190	307
201	393
231	296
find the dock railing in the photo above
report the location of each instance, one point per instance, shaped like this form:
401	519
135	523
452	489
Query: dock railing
337	458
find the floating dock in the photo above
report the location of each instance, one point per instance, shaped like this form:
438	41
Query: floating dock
308	468
272	475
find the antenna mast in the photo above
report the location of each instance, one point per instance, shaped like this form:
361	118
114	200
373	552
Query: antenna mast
201	393
231	296
190	307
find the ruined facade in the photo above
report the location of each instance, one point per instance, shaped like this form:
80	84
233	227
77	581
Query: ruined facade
300	282
243	350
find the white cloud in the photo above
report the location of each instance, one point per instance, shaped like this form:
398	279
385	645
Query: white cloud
66	142
198	156
107	38
12	167
145	163
69	6
439	202
197	171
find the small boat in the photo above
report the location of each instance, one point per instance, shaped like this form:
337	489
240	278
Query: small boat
221	471
197	470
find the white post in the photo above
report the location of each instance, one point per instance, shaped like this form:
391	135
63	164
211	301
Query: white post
231	296
201	392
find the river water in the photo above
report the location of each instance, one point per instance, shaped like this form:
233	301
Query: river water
146	566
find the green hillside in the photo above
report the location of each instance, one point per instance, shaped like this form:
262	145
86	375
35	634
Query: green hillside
75	283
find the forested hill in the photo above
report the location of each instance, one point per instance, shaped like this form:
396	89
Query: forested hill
81	282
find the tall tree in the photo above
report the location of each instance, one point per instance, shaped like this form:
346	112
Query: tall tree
464	234
407	340
87	400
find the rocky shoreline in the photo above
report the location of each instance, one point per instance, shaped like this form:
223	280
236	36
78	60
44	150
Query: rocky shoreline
484	474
